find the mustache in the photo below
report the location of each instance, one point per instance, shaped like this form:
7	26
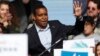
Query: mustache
90	12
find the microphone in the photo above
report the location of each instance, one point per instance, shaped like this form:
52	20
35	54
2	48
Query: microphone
51	46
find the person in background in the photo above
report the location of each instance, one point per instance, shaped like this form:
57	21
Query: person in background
88	32
24	9
93	8
30	5
97	49
8	17
97	30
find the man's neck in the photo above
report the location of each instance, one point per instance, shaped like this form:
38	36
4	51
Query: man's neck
95	18
41	27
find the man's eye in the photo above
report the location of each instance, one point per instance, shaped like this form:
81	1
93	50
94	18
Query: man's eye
39	15
46	14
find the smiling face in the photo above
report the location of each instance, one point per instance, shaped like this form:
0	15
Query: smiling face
41	17
92	9
4	10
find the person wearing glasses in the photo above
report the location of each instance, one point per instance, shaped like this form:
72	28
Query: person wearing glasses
93	9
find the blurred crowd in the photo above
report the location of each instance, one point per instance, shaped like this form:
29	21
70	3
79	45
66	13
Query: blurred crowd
31	17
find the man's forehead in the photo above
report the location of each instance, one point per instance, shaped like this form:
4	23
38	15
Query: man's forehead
41	10
92	3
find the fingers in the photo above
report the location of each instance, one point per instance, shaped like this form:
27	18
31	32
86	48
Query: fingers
74	4
80	5
7	16
77	8
77	4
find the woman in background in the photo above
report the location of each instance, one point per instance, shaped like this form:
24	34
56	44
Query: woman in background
97	50
9	18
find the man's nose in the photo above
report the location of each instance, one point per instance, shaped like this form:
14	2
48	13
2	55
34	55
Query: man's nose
90	9
44	17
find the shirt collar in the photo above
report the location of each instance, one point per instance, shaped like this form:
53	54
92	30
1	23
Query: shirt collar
89	36
40	29
95	19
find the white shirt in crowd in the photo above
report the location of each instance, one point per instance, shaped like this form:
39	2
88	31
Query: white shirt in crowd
82	36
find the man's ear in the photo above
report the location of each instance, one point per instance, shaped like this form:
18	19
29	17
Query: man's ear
33	17
99	11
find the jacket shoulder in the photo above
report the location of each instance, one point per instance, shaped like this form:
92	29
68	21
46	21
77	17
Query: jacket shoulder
54	22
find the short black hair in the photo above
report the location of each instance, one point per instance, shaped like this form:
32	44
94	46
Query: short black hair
38	7
97	2
89	19
98	44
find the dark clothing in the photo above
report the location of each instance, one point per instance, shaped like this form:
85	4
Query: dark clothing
9	29
23	11
31	5
98	23
58	31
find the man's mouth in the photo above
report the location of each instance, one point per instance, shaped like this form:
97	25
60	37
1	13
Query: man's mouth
44	21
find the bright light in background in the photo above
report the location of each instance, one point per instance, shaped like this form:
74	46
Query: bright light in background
61	10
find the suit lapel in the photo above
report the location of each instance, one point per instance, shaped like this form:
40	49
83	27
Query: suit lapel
53	30
36	37
35	34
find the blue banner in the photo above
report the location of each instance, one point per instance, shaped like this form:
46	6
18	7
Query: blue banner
69	53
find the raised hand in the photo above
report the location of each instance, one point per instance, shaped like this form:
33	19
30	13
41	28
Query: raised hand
77	8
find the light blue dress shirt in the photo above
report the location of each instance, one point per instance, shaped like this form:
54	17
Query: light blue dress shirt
44	36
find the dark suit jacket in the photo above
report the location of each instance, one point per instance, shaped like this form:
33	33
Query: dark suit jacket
58	31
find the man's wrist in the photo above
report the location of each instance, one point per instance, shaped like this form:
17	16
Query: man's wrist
80	18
